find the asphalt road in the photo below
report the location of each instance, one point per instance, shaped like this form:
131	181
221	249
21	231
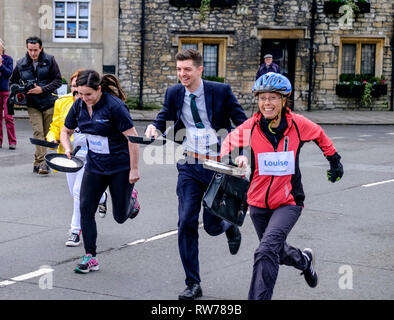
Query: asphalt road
349	224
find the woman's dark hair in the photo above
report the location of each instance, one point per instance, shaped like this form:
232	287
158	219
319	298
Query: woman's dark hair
108	83
287	105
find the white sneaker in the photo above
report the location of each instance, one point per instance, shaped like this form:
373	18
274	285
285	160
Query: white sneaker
74	240
102	207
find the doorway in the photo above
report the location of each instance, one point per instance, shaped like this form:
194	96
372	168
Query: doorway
284	55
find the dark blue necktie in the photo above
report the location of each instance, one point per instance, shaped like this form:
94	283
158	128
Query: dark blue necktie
196	116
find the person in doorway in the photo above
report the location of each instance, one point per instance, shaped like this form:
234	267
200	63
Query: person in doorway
43	69
74	179
267	66
202	108
6	67
112	161
276	195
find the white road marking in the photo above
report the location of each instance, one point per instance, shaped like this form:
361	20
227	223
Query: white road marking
390	133
337	138
43	271
26	276
377	183
157	237
365	135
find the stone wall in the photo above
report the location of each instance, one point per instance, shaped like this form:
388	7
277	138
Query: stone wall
377	23
245	25
163	23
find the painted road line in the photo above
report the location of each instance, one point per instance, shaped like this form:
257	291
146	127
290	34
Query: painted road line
377	183
156	237
26	276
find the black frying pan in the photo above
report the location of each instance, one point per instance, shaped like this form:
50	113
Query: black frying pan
144	140
76	164
44	143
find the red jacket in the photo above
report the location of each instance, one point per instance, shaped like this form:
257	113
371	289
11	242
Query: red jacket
268	191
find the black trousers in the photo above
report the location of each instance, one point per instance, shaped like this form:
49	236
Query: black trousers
92	187
272	227
193	181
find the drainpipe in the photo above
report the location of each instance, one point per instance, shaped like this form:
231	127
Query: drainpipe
392	68
140	102
311	51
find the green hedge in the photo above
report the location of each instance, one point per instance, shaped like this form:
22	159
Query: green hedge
212	78
132	103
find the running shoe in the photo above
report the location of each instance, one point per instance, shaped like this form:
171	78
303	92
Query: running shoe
309	273
89	263
102	207
74	240
136	206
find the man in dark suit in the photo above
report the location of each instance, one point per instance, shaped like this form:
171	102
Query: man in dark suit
198	110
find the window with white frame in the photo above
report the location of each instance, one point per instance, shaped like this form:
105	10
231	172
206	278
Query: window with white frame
71	21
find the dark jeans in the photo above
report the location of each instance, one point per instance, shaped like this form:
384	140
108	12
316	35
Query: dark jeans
193	181
272	227
92	187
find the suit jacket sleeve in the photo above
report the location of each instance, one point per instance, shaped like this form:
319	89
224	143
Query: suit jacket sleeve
237	113
163	115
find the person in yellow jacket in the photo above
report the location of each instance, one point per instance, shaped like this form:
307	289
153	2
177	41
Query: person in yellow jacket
74	179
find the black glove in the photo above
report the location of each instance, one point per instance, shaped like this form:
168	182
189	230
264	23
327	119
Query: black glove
336	169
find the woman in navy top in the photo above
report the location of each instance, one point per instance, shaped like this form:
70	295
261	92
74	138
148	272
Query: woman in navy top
112	161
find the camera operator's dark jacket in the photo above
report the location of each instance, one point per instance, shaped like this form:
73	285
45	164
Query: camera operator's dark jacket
5	72
47	76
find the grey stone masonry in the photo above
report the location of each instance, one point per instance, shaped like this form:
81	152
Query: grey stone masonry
244	26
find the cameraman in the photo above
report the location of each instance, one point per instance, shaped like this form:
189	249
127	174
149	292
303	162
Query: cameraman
6	66
43	69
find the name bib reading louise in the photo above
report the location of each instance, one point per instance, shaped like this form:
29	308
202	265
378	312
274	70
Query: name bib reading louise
276	163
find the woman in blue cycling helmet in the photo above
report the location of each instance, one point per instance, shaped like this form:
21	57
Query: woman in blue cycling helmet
276	196
277	90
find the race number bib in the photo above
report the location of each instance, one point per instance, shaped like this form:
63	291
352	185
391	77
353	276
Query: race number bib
98	144
199	140
276	163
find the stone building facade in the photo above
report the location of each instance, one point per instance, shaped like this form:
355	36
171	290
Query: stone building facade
234	36
242	33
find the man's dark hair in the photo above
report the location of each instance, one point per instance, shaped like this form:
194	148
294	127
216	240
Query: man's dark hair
34	40
190	54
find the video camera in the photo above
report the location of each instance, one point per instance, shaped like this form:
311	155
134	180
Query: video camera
18	94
